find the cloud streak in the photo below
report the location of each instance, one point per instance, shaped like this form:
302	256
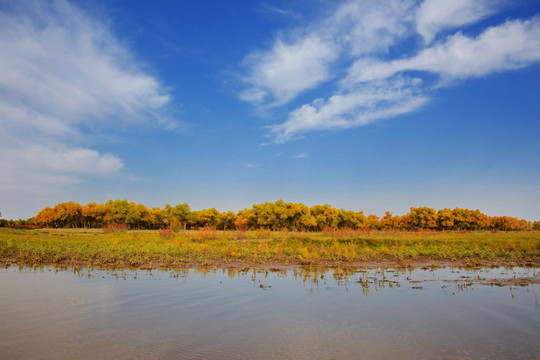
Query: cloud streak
381	82
351	109
63	71
509	46
434	16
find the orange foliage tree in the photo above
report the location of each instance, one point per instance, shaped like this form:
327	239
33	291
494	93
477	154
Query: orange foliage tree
272	216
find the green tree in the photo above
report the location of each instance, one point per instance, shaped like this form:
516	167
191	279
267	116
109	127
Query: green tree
122	212
179	216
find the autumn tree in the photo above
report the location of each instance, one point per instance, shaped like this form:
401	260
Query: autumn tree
445	219
352	219
246	220
465	219
270	215
292	216
241	223
422	218
121	212
157	216
207	218
318	213
478	220
46	217
308	222
326	216
66	214
227	220
146	219
505	223
525	225
372	222
93	214
179	216
390	222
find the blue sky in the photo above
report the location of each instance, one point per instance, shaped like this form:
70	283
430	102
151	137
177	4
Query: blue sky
365	105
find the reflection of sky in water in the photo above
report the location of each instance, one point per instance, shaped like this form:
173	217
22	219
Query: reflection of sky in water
263	314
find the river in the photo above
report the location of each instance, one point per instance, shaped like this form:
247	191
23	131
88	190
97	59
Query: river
371	313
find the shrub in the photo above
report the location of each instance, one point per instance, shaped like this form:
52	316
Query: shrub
166	234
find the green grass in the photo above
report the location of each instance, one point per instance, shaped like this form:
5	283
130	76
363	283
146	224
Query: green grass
208	247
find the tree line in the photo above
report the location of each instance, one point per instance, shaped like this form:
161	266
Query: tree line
278	215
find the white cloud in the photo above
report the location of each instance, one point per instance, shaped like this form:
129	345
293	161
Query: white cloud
436	15
511	45
350	109
30	166
58	61
70	160
378	42
365	27
61	71
279	75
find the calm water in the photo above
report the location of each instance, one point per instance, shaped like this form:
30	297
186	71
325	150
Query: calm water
193	314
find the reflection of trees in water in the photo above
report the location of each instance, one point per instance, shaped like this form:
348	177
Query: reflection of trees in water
454	280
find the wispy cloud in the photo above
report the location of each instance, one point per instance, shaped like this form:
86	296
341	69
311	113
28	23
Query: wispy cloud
351	109
434	16
378	84
368	27
63	71
277	11
279	75
512	45
302	59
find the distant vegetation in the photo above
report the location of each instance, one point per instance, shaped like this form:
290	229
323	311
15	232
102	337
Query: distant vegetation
123	215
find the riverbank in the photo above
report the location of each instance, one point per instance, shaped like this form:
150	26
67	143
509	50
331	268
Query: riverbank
165	249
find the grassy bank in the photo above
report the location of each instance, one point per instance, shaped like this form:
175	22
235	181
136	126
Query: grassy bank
207	247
